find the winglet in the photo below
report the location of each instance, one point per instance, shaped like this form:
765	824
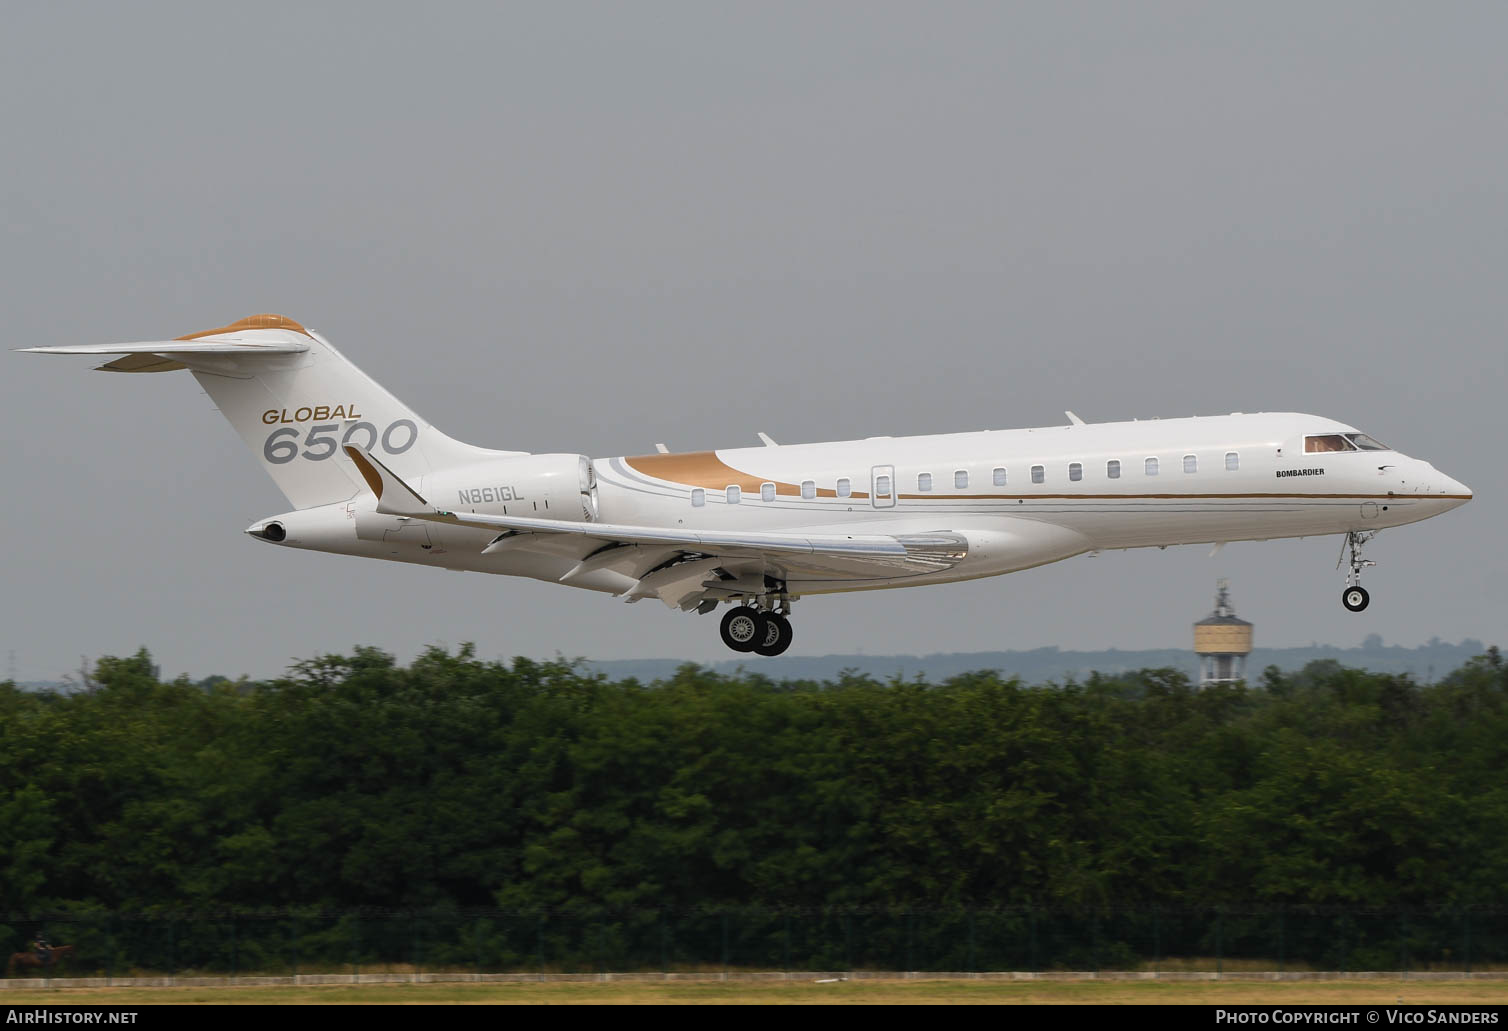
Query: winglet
394	497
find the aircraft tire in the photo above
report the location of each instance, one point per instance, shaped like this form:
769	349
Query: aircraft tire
742	628
1355	598
777	636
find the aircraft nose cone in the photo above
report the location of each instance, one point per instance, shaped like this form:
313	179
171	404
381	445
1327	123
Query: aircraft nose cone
1452	488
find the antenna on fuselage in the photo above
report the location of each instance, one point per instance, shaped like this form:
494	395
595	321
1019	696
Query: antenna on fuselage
1074	419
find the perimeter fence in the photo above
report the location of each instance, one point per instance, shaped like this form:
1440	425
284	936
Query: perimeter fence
289	942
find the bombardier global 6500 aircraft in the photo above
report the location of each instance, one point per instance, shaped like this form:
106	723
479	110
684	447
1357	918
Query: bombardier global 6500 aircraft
759	527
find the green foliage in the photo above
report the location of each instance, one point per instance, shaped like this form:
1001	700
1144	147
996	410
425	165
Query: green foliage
356	784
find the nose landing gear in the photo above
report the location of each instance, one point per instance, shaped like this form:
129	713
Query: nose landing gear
748	629
1355	597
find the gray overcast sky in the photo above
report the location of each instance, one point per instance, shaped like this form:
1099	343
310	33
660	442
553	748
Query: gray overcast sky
591	227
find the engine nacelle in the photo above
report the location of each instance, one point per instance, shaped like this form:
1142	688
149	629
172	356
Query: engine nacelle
543	486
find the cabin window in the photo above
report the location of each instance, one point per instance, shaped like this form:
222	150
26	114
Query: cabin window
961	479
808	489
698	497
735	494
1151	467
1232	461
845	488
1327	442
1075	471
766	492
1190	464
1039	474
1113	469
999	476
924	481
882	486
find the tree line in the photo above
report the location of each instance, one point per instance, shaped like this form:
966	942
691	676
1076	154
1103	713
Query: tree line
457	784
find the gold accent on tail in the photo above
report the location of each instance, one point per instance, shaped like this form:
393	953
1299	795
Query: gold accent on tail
251	322
372	476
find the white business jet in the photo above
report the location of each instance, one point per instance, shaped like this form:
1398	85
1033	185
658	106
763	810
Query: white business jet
759	527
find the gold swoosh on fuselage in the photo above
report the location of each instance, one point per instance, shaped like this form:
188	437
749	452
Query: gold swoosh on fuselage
704	469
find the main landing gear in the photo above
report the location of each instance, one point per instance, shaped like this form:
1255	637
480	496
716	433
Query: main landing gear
1355	596
747	629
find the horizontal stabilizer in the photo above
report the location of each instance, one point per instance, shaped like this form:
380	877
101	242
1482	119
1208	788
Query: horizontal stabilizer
166	355
178	347
169	355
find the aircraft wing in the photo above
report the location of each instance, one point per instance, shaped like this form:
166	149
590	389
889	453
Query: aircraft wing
684	568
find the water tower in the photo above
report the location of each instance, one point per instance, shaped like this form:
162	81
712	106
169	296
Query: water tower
1222	641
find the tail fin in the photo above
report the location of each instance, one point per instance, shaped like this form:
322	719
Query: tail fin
297	402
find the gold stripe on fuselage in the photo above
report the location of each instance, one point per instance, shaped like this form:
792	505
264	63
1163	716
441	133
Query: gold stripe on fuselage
704	469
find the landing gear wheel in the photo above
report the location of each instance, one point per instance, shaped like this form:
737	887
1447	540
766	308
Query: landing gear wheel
742	628
1355	597
777	635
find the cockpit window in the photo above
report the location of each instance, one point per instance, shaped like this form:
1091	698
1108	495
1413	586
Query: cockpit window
1327	442
1343	442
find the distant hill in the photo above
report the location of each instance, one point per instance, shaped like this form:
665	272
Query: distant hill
1425	663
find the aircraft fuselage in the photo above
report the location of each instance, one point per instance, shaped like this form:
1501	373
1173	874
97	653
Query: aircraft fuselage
1048	493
